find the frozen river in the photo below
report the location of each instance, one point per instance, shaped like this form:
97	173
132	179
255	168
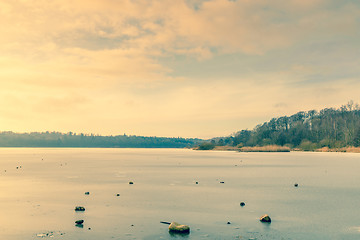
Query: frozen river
39	189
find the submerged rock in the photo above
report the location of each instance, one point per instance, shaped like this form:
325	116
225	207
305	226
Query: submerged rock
79	208
265	218
178	228
79	225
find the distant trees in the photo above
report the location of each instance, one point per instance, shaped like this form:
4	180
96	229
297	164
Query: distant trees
206	146
56	139
329	127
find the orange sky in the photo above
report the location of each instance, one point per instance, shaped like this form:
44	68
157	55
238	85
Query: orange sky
173	68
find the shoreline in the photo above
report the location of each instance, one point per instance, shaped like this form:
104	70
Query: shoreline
274	148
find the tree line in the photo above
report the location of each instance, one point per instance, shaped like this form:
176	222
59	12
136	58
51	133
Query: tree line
57	139
306	130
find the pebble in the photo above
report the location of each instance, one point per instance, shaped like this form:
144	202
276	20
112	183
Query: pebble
79	208
265	218
78	222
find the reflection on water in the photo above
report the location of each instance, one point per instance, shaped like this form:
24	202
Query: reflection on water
180	185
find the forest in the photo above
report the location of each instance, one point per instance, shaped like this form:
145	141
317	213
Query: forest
57	139
305	130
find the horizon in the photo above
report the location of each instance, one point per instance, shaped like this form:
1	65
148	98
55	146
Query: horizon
200	69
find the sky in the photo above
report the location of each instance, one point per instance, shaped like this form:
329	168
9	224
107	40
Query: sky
187	68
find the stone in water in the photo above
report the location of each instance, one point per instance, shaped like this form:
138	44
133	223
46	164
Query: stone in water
265	218
178	228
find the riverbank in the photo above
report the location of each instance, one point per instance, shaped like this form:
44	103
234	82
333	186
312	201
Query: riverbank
344	149
276	148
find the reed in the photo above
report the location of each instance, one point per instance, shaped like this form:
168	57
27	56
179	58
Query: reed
268	148
349	149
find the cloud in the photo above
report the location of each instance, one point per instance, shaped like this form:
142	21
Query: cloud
43	30
128	62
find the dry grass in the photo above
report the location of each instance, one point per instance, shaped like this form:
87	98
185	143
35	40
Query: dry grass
226	148
269	148
276	148
344	149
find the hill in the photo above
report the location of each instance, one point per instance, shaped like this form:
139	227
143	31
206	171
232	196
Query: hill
329	128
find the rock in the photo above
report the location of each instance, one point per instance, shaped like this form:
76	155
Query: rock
79	208
296	185
242	204
87	193
131	182
178	228
78	222
265	218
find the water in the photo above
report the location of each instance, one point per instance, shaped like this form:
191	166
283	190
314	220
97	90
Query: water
39	197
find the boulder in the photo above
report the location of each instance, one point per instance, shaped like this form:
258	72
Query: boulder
178	228
296	185
265	218
131	182
87	193
242	204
